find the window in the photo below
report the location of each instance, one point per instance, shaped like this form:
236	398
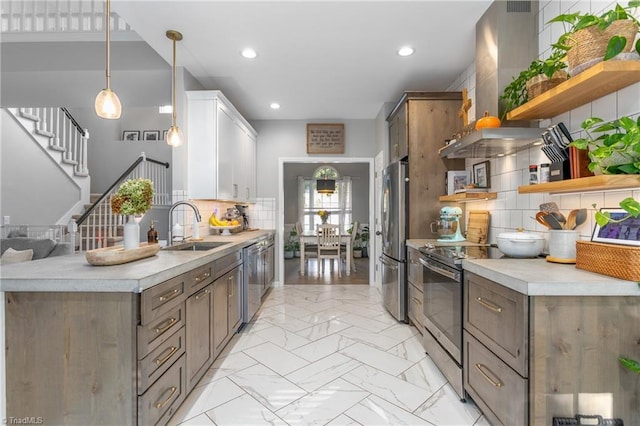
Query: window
338	204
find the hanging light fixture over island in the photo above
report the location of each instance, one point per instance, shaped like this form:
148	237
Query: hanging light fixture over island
107	104
174	135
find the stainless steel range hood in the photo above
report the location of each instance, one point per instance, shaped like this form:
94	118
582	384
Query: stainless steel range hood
495	142
506	43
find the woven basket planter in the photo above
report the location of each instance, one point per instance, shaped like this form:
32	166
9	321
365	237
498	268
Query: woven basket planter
539	84
590	44
614	260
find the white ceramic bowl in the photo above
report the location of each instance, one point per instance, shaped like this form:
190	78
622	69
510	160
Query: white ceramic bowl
520	244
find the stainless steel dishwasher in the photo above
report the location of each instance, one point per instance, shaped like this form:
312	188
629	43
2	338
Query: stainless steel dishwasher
252	282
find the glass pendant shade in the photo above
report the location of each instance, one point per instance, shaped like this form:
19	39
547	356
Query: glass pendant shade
108	105
325	186
174	136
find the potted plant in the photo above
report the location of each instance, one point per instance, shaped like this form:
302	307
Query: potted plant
290	245
616	150
541	76
133	199
357	246
590	38
364	238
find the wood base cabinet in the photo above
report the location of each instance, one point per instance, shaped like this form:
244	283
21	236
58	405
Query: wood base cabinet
530	358
414	302
88	358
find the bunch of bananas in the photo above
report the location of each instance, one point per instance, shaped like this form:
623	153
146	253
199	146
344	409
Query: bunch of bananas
214	221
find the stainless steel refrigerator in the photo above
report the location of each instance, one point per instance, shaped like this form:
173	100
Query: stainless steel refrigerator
394	234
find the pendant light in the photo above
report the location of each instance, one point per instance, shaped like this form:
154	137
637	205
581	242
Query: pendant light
107	104
174	135
325	186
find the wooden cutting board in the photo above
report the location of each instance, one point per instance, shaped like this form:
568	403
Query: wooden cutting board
478	226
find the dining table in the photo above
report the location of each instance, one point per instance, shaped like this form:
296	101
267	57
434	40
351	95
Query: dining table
311	237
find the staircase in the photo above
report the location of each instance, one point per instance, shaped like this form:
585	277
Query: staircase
101	229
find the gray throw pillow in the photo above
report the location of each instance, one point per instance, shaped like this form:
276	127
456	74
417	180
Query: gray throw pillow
41	247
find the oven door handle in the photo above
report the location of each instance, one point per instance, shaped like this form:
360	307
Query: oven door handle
437	270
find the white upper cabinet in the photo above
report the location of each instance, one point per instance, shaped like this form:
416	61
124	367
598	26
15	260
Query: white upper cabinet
221	148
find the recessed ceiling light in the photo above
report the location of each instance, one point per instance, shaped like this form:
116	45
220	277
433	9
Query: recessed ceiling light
406	51
249	53
275	105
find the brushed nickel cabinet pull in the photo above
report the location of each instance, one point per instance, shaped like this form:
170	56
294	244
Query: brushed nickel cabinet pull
202	293
496	383
173	390
166	325
203	277
172	350
169	295
489	305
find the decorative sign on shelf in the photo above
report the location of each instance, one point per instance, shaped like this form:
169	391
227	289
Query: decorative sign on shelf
325	138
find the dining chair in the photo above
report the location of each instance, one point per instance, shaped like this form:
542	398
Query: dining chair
343	247
329	245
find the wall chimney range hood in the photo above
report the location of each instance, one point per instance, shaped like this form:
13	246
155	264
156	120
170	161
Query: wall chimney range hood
506	43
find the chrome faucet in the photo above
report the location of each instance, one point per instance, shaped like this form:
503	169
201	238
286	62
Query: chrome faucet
173	206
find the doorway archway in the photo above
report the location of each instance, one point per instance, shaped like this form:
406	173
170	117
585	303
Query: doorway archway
280	221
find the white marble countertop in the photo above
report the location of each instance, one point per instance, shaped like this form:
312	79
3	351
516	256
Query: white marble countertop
73	273
537	277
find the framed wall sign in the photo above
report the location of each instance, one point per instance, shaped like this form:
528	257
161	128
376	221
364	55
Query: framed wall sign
626	231
325	138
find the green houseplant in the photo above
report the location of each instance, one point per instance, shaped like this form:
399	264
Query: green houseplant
589	37
516	93
616	150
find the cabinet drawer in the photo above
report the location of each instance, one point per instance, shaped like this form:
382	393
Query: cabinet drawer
162	297
163	398
199	278
415	307
499	391
498	317
155	333
225	264
415	267
151	367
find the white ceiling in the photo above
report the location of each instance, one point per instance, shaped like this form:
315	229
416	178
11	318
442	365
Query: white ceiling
318	59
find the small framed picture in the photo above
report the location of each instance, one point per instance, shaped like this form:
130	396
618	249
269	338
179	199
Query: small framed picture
151	135
481	176
456	180
620	231
164	135
131	135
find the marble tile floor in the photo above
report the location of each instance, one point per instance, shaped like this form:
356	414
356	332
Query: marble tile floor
325	355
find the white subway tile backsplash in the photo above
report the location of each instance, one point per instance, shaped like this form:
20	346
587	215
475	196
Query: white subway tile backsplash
578	115
629	100
515	219
612	199
588	199
605	107
569	201
522	201
511	202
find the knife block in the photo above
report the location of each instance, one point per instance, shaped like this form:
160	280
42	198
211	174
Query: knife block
560	170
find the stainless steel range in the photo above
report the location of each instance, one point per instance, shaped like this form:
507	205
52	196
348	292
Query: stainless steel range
442	304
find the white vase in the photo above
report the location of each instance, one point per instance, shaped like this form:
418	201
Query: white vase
132	232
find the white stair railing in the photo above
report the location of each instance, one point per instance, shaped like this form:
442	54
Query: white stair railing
57	16
64	133
99	227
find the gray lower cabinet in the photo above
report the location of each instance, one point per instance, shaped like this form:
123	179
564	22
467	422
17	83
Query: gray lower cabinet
530	358
80	358
414	302
199	334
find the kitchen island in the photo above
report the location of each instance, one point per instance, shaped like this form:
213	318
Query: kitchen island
542	339
120	344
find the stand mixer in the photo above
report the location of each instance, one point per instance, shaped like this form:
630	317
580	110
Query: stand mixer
448	227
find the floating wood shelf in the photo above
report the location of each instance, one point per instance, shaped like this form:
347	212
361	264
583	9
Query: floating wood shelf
466	197
591	183
597	81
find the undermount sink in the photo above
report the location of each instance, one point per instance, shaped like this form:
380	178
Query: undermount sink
196	245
